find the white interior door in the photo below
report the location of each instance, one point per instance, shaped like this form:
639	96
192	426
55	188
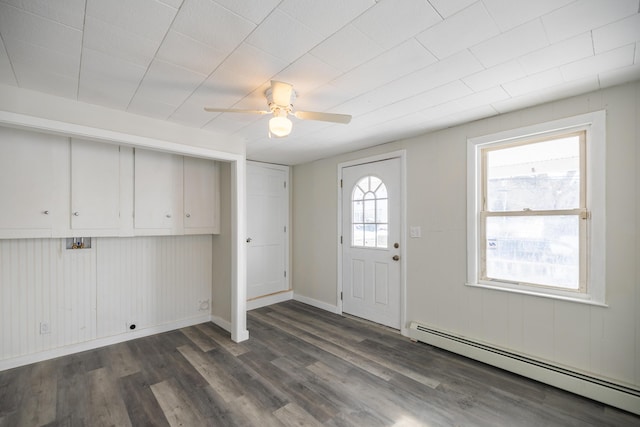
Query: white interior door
267	227
371	224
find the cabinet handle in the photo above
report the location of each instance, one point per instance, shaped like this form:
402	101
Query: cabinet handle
46	212
76	213
188	215
168	215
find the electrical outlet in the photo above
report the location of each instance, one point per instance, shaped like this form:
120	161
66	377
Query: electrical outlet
45	328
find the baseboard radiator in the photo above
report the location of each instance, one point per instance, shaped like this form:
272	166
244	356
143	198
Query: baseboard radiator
608	392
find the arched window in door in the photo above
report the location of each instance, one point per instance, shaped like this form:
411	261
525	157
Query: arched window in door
369	213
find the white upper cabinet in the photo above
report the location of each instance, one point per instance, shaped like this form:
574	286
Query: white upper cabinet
157	193
201	196
34	190
95	186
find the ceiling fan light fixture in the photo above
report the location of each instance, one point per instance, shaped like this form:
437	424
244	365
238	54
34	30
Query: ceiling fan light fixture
280	126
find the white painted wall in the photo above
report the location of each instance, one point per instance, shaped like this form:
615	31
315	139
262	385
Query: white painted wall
91	294
597	340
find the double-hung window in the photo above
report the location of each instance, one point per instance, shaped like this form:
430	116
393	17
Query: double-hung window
531	197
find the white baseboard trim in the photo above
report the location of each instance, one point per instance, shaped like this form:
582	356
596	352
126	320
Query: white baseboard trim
269	299
224	324
102	342
316	303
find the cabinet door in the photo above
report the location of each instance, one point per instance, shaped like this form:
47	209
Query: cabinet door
33	183
95	185
157	192
200	196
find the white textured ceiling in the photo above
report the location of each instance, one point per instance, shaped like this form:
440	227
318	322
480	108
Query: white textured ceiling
400	67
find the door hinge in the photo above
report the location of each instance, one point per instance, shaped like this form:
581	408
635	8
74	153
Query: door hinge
340	239
285	273
285	184
341	296
340	183
285	228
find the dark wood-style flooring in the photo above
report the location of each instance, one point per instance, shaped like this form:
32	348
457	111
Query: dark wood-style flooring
301	367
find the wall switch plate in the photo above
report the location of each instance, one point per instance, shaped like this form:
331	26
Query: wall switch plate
415	231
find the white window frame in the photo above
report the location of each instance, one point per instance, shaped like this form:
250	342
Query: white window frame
594	124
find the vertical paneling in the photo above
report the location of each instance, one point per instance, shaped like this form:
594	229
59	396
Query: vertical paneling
42	282
151	280
93	293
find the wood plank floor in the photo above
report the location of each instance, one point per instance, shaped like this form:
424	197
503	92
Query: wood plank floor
301	367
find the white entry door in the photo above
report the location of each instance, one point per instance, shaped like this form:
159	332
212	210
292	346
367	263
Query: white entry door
371	224
267	223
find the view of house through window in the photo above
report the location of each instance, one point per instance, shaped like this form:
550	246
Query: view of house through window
532	214
369	213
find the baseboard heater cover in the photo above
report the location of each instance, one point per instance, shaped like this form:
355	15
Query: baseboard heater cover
598	389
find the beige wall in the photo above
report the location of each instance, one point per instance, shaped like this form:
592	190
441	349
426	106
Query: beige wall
601	341
221	265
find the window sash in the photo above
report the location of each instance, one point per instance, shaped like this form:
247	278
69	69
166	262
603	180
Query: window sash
581	212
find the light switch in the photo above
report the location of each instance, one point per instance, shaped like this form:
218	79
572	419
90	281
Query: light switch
415	231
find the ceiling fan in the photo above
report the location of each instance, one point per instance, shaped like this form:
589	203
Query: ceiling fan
280	97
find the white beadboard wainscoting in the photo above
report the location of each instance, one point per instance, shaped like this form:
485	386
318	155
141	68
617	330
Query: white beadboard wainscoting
89	297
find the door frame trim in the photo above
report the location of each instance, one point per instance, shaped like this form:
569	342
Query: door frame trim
400	154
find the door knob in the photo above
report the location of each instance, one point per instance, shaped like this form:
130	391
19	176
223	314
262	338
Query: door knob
76	213
249	239
396	258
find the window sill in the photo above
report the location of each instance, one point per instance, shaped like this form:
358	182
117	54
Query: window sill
581	300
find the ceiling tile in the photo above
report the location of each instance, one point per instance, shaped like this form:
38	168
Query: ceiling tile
447	8
512	44
67	12
168	83
41	58
327	16
619	75
6	72
307	73
212	24
19	25
390	22
617	58
186	52
44	81
325	98
145	18
105	80
617	34
235	70
581	16
253	10
384	68
150	107
496	75
347	49
284	37
557	54
534	83
118	43
173	3
509	13
460	31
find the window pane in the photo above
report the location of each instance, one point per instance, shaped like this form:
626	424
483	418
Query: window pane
357	235
537	176
369	235
375	183
369	211
358	212
540	250
381	192
358	194
382	235
381	211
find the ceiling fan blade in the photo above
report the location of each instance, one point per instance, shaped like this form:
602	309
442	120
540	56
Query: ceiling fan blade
324	117
232	110
281	93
